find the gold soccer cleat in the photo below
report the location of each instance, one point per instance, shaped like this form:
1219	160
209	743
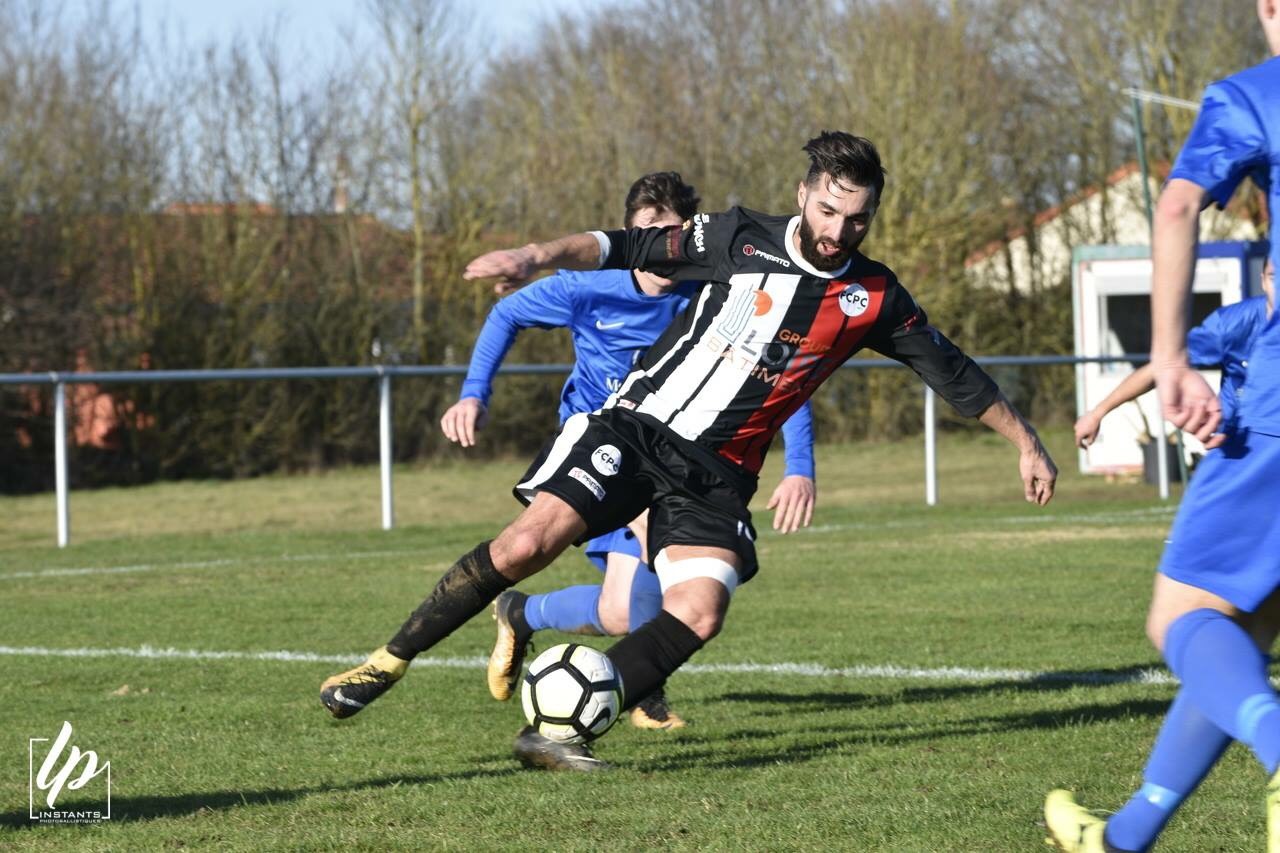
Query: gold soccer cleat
507	656
1072	828
347	693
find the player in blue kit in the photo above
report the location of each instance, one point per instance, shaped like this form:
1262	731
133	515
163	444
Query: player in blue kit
1215	609
1223	340
614	316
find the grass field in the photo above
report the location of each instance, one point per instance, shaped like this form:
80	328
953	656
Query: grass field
218	745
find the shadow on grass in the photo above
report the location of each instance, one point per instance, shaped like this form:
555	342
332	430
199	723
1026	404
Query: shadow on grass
754	747
180	805
1049	682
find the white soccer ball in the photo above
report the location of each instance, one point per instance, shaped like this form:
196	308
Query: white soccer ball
571	693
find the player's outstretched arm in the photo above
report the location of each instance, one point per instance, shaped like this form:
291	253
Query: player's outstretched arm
1186	399
514	267
1133	386
1039	474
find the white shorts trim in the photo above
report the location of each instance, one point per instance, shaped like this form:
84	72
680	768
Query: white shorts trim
572	430
672	572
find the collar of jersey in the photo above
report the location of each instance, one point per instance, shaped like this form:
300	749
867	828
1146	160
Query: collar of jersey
789	242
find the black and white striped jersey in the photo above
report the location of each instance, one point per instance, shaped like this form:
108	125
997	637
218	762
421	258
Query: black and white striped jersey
767	329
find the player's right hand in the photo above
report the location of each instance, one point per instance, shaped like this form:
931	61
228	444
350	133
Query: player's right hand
1087	430
512	268
1188	403
463	420
1039	474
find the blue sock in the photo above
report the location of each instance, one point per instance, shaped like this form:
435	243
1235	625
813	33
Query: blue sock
1225	676
646	597
1186	749
574	610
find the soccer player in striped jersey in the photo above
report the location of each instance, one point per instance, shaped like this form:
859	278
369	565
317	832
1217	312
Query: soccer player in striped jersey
786	301
614	316
1215	609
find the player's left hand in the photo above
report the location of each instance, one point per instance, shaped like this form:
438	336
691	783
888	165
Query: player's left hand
1188	402
1039	474
512	268
793	503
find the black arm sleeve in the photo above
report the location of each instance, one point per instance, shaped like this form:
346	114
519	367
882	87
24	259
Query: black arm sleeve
904	334
694	250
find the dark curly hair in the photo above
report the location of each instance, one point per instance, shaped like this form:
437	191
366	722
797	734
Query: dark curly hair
665	190
849	159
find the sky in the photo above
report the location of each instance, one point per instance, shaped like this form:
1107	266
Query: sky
318	25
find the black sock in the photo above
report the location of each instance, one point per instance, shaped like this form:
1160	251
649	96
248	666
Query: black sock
645	657
466	589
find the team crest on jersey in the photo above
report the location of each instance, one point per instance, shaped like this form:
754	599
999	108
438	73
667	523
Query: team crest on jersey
854	300
606	459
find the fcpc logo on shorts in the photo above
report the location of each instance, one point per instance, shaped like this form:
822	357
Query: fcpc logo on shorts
606	459
854	300
61	771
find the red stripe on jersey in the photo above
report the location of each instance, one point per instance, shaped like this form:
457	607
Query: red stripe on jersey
831	338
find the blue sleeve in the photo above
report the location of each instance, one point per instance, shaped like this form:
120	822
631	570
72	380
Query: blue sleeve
1207	343
797	439
545	304
1227	143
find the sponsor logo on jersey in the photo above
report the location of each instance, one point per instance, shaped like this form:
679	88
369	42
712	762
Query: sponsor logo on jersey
764	303
606	459
592	484
737	312
604	327
789	337
854	300
768	361
699	238
751	251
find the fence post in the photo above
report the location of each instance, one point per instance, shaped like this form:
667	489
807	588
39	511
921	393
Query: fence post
930	447
60	461
384	449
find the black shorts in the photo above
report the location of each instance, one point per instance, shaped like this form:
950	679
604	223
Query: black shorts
611	465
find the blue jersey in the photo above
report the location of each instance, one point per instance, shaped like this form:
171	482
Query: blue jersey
1224	339
1237	135
612	323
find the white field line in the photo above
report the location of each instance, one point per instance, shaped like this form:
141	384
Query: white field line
203	564
810	670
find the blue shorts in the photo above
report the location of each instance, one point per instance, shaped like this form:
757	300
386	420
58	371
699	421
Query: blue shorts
620	541
1226	537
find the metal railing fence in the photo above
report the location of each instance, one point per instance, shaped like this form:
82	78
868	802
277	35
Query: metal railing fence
385	373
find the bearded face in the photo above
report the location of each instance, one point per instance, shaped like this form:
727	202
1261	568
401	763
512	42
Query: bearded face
834	220
823	254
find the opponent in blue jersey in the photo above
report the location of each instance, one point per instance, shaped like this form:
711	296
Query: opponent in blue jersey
614	315
1214	608
1223	340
